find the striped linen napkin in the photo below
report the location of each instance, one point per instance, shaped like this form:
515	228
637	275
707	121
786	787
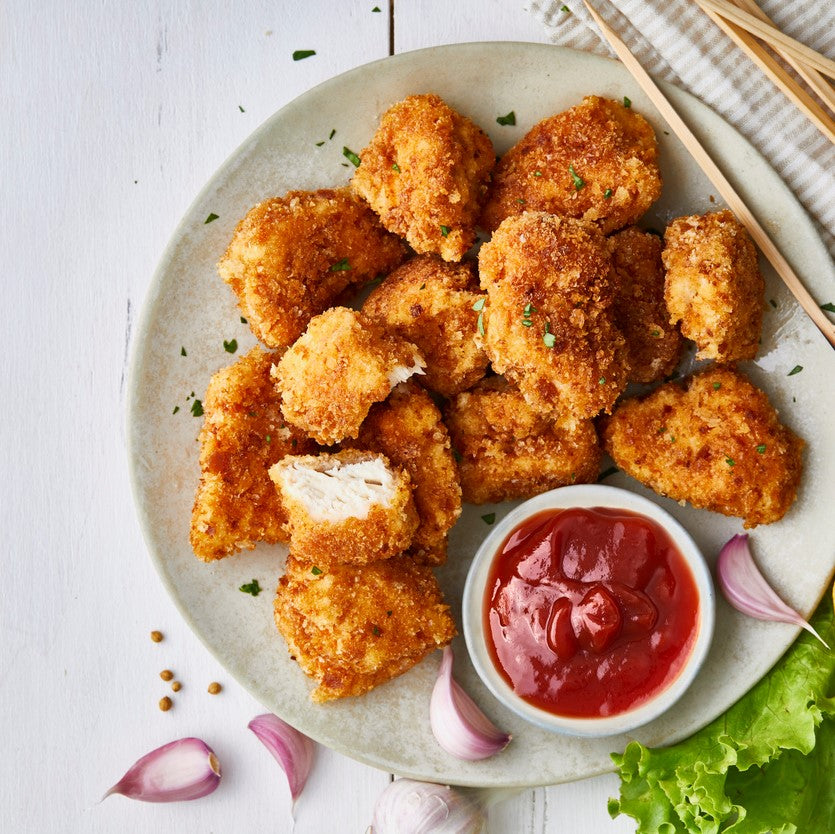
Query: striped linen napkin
675	40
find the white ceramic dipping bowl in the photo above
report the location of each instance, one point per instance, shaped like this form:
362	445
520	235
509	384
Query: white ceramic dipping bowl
585	496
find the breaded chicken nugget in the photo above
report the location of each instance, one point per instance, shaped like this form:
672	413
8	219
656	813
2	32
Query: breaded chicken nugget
337	370
291	257
507	450
714	441
243	434
352	628
596	161
425	173
713	285
653	345
349	507
430	303
550	318
408	429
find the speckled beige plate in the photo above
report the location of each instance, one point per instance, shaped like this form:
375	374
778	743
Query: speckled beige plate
189	305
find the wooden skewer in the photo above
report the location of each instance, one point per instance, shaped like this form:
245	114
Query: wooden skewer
772	35
734	201
763	58
811	76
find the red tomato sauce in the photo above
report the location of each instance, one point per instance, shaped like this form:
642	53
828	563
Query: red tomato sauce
589	612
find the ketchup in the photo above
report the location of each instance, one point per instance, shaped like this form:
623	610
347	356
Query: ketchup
589	612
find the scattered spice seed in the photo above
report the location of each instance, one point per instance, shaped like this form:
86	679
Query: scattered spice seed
579	182
166	675
213	688
211	218
165	703
489	518
795	370
176	686
351	157
509	119
301	54
156	636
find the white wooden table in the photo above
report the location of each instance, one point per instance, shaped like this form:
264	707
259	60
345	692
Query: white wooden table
114	114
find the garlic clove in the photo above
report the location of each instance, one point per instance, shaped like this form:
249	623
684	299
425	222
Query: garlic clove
181	770
458	725
291	749
410	807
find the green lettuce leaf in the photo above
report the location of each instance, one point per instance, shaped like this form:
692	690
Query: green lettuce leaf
766	765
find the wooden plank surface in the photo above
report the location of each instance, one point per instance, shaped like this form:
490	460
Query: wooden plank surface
115	114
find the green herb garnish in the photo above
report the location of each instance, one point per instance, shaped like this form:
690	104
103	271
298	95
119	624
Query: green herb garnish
479	305
351	157
601	381
548	337
231	346
315	571
509	119
730	461
176	409
627	102
607	194
565	9
241	109
251	588
395	167
375	630
268	439
332	134
376	9
301	54
795	370
488	518
183	351
211	218
444	230
340	266
761	448
197	408
480	323
243	320
829	307
773	303
717	386
319	144
579	182
537	173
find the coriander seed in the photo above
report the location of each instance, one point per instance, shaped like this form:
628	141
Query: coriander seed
214	688
165	703
156	636
166	674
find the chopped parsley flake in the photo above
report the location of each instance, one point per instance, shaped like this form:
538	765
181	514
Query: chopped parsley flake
268	439
829	307
183	351
377	9
529	308
548	337
521	201
672	438
717	386
457	455
315	571
601	381
509	119
375	630
231	346
388	613
241	109
444	230
251	588
627	102
579	182
773	303
730	461
537	173
480	323
527	323
422	287
607	194
340	266
351	157
395	167
211	218
319	144
761	448
489	518
197	408
332	134
795	370
176	409
301	54
243	320
565	9
479	305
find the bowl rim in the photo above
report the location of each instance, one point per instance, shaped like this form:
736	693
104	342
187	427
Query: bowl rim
586	496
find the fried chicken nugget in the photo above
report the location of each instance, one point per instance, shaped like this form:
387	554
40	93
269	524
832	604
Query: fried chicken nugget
349	507
653	345
550	317
352	628
596	161
291	257
508	450
425	173
430	303
409	430
713	285
714	441
337	370
243	434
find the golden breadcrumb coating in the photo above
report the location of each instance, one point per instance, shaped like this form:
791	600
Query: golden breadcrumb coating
713	285
549	318
408	429
353	627
507	450
653	345
349	507
714	441
292	256
596	161
243	434
425	173
430	303
337	370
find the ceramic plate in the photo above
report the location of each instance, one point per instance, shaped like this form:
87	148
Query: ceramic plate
189	306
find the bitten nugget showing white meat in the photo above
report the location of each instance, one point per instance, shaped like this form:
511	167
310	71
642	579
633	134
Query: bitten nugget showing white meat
550	315
596	161
243	434
349	507
425	173
653	345
714	286
337	370
430	303
714	441
408	429
352	628
291	257
508	451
